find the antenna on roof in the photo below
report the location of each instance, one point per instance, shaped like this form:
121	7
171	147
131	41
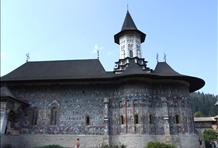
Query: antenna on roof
165	57
27	57
157	57
98	54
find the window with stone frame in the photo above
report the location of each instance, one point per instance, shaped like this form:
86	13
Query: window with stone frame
34	116
151	119
87	120
120	104
135	102
136	119
54	114
121	119
177	119
128	103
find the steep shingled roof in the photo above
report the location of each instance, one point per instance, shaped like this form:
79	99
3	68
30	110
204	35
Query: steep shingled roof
162	68
128	23
164	71
49	70
127	27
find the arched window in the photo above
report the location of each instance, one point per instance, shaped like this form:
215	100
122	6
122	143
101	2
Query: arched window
177	119
87	120
34	116
136	119
121	119
54	112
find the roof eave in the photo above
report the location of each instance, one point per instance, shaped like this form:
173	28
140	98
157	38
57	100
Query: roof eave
118	35
194	82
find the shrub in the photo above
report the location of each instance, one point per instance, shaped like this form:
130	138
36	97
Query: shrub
159	145
210	135
198	114
50	146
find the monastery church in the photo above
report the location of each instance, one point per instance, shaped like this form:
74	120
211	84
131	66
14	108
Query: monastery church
54	102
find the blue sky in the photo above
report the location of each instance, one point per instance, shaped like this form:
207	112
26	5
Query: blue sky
186	30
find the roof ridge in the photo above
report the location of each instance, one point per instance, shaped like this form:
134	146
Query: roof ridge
63	60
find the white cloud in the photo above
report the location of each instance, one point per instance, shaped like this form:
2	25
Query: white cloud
97	48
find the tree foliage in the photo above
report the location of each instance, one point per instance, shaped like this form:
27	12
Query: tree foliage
159	145
204	103
210	135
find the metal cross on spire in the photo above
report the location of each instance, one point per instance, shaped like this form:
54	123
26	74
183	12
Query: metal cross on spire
27	57
157	57
165	57
98	54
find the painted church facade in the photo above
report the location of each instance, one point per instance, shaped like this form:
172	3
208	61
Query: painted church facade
54	102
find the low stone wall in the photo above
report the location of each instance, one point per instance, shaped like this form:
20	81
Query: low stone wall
139	141
31	141
94	141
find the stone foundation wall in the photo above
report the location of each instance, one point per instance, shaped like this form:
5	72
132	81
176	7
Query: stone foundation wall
68	141
95	141
139	141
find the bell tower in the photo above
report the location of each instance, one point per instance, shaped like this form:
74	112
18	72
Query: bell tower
129	40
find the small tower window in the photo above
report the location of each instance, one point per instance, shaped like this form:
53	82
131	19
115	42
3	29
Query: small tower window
130	48
151	119
131	53
136	119
34	116
122	119
177	119
87	120
54	112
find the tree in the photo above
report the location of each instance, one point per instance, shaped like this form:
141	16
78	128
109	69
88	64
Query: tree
204	103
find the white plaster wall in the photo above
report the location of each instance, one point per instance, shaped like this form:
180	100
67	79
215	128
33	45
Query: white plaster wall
124	42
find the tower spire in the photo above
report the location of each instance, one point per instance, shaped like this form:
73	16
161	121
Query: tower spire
129	27
129	40
128	23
